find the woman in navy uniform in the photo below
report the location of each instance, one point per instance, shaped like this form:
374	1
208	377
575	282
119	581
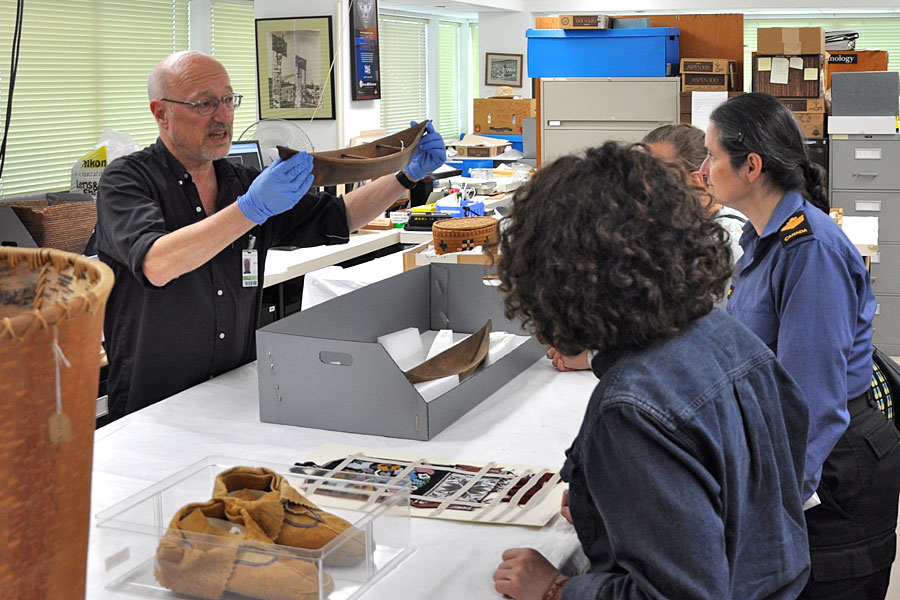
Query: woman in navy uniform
803	288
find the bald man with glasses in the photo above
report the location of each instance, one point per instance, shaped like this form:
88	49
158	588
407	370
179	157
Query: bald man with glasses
178	225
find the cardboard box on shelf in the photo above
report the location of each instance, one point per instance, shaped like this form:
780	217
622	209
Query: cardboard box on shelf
708	75
707	65
583	22
812	123
855	60
789	76
706	82
809	105
502	115
477	146
790	40
546	22
418	257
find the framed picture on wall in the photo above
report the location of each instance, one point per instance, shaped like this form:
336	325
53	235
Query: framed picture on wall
503	69
293	64
365	73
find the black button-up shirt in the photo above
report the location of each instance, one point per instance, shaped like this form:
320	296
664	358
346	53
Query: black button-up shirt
162	340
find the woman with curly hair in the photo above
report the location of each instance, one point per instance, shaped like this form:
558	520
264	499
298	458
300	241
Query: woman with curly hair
682	147
684	480
803	288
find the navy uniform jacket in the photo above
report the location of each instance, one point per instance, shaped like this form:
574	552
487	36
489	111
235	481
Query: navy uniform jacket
803	288
162	340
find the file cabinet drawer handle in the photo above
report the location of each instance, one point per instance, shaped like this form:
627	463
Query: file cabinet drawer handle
868	205
865	174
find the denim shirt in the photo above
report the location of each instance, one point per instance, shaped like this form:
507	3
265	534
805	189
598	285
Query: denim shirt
684	480
803	288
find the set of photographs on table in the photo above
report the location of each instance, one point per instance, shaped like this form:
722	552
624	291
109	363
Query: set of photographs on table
498	493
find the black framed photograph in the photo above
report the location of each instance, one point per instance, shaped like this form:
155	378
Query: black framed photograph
293	65
365	73
503	69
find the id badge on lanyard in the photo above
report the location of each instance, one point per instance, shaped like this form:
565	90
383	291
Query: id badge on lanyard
250	265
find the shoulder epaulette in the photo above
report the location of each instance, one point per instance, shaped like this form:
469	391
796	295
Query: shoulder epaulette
797	227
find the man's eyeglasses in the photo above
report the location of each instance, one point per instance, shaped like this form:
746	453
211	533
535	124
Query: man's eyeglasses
209	106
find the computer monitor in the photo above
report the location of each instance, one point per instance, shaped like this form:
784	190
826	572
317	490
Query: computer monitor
247	153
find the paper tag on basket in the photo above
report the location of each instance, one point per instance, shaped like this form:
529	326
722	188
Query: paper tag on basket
60	428
59	424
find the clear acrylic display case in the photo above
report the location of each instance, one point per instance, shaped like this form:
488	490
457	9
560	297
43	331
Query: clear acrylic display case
130	533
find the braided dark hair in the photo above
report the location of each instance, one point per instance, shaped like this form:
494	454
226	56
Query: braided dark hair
760	123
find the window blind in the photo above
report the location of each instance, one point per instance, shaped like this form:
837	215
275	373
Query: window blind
476	63
403	71
875	33
449	75
232	41
83	68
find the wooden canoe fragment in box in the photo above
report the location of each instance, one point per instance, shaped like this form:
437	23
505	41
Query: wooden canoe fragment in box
366	161
460	359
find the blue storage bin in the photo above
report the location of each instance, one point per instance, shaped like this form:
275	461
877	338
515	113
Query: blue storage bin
648	52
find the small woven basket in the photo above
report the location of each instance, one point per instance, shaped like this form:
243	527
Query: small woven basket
51	313
64	226
465	233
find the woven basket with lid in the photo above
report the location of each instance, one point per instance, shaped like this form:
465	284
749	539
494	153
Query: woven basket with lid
51	303
465	233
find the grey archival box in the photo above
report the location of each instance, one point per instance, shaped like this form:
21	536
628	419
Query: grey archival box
865	94
323	368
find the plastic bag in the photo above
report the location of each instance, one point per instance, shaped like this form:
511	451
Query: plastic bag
89	167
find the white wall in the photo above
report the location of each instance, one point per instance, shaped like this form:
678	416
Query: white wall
351	116
503	32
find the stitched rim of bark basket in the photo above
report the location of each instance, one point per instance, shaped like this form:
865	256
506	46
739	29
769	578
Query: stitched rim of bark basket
98	274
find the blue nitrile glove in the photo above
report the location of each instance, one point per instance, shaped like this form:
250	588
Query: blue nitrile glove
278	188
429	155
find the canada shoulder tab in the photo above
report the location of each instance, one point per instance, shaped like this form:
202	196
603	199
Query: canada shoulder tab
797	227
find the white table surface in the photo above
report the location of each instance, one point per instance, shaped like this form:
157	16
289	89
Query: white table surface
282	265
531	420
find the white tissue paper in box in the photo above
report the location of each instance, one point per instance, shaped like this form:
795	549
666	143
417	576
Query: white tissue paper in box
405	347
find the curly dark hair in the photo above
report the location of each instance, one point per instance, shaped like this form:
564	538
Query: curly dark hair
610	250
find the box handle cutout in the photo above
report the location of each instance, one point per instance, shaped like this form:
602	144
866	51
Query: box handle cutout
336	358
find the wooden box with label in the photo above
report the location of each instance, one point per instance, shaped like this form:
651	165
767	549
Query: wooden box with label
855	60
789	76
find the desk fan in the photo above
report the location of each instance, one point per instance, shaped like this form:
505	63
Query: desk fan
276	132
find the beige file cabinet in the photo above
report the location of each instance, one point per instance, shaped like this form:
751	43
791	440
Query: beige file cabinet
577	113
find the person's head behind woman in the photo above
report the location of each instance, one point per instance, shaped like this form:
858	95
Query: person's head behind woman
759	123
610	250
680	144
